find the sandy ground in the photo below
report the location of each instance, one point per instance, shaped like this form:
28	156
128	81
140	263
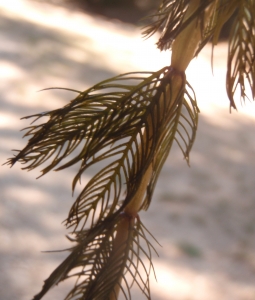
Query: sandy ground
203	216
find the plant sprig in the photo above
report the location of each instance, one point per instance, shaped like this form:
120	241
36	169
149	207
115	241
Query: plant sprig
126	126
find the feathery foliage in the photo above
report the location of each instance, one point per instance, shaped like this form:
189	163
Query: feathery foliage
241	53
98	262
170	20
125	126
124	130
129	130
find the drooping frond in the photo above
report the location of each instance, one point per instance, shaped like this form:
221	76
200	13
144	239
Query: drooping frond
188	122
98	264
122	129
169	15
170	20
95	120
182	128
127	124
241	53
222	10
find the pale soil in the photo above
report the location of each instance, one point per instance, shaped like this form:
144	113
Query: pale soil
203	216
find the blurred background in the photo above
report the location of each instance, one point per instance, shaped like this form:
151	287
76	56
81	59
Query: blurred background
202	216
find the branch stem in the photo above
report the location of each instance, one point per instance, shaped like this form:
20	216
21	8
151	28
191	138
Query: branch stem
185	45
119	247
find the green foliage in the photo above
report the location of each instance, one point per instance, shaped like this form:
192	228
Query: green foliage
126	125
